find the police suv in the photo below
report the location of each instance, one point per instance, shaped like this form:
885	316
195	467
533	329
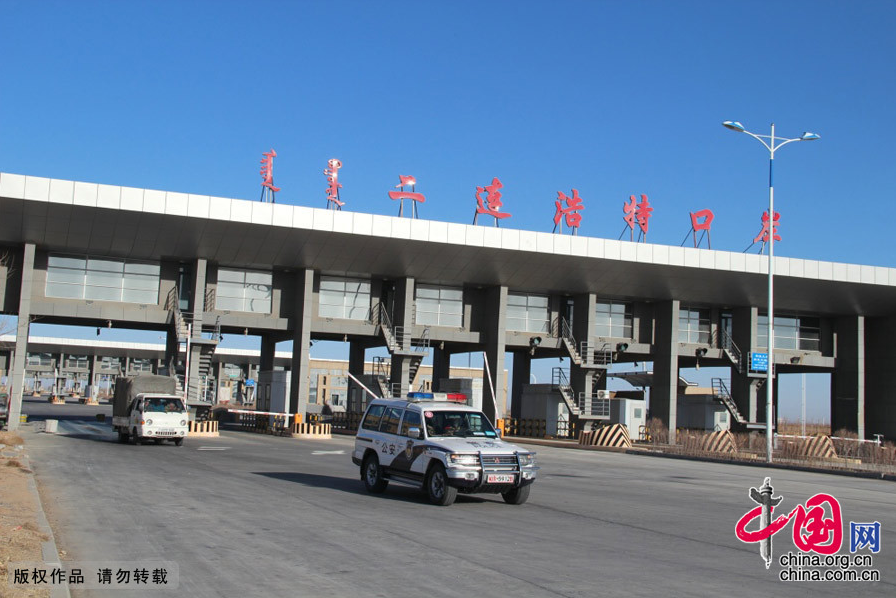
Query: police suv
438	443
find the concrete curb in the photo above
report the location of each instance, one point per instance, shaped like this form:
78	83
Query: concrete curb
871	475
49	551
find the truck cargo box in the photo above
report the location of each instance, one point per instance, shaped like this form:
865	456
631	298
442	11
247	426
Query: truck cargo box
128	388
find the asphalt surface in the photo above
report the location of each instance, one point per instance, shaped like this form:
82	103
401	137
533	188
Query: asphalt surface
254	515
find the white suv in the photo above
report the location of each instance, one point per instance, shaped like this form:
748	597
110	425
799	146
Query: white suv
443	447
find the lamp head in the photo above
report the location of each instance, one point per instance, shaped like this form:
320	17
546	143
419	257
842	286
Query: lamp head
734	126
807	136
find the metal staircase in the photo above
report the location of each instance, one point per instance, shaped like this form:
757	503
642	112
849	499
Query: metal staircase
592	405
731	350
585	354
181	323
401	343
720	393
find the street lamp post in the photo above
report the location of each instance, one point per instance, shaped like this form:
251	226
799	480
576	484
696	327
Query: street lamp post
772	144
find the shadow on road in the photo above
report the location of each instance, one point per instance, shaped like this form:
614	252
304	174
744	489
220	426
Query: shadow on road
396	492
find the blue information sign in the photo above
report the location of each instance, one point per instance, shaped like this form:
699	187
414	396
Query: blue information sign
759	362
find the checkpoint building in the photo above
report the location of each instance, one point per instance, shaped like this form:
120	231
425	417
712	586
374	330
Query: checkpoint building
195	267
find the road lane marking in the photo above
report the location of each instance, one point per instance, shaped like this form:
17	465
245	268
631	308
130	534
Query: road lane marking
213	448
327	452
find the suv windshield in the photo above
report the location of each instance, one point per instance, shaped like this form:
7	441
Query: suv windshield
457	423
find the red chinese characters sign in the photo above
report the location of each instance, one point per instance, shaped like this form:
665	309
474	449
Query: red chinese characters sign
491	205
267	170
402	195
571	212
639	212
333	184
766	229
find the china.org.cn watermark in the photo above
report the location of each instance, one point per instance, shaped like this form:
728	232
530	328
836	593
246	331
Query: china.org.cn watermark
817	534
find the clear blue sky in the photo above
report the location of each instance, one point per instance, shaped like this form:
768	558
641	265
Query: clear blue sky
610	98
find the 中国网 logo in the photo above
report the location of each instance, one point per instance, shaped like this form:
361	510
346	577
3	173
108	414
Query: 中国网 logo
817	534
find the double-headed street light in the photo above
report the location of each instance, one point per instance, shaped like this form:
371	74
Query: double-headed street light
772	144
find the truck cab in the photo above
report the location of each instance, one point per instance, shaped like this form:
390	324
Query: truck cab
153	416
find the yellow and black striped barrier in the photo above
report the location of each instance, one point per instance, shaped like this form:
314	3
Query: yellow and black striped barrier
720	441
818	447
614	435
312	431
207	429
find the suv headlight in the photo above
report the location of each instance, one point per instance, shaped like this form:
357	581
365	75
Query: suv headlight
457	459
149	422
526	459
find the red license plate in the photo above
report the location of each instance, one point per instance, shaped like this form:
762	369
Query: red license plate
500	478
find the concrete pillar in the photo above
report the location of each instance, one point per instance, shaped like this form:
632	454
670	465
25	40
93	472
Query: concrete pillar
22	328
664	392
402	317
268	347
880	381
356	369
522	371
441	367
300	381
199	296
848	378
743	388
493	334
582	379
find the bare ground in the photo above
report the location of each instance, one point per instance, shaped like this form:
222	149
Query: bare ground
20	536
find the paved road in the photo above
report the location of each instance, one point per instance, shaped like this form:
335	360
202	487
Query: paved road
252	515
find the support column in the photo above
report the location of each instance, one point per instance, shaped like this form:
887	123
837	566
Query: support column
172	351
522	371
664	391
268	346
356	369
441	367
880	382
743	388
402	316
199	296
300	382
583	379
848	378
22	327
494	333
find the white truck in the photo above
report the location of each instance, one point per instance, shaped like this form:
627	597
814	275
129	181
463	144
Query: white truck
147	407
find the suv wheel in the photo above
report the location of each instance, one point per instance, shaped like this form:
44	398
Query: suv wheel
437	488
517	496
372	474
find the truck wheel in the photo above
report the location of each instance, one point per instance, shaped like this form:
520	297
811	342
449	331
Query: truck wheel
372	474
134	439
178	442
437	488
517	496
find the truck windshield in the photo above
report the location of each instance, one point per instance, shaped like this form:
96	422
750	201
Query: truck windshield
458	423
163	405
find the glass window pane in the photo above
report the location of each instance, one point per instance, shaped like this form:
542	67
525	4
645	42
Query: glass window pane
263	278
105	265
65	275
230	276
260	306
105	279
63	261
228	303
427	292
331	311
138	268
452	294
64	291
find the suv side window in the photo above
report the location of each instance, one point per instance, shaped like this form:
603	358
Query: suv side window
390	421
372	419
412	419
